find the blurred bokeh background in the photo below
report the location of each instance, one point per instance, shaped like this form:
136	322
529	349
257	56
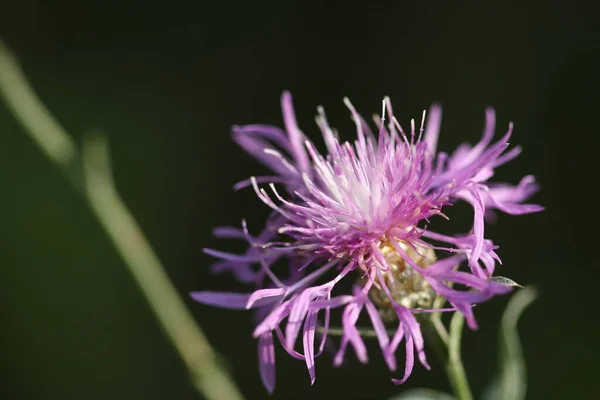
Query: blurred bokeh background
166	80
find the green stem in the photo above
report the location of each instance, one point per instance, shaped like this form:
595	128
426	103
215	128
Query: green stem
454	365
436	321
434	339
90	174
447	346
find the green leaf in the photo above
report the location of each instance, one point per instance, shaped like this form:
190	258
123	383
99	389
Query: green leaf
511	381
422	394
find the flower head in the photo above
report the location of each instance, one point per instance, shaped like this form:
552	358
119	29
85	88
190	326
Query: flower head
361	213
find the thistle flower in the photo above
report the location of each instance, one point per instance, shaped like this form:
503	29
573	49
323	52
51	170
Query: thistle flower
361	214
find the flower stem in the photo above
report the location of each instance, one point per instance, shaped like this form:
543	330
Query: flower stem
447	346
454	365
89	171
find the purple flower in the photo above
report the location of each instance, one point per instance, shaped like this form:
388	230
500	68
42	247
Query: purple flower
356	222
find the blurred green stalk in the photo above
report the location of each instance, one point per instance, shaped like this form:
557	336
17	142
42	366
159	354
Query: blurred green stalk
447	346
90	172
454	366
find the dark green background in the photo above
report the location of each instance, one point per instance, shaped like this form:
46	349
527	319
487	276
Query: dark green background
165	81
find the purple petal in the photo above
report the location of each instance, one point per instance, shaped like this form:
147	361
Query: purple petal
308	340
325	331
410	360
413	328
296	136
349	319
242	271
479	212
518	209
506	157
244	258
396	339
467	311
256	148
229	232
432	129
515	194
469	298
266	361
297	314
488	133
339	356
511	207
464	278
381	332
235	301
266	295
269	132
290	351
335	302
273	319
488	157
444	265
260	179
